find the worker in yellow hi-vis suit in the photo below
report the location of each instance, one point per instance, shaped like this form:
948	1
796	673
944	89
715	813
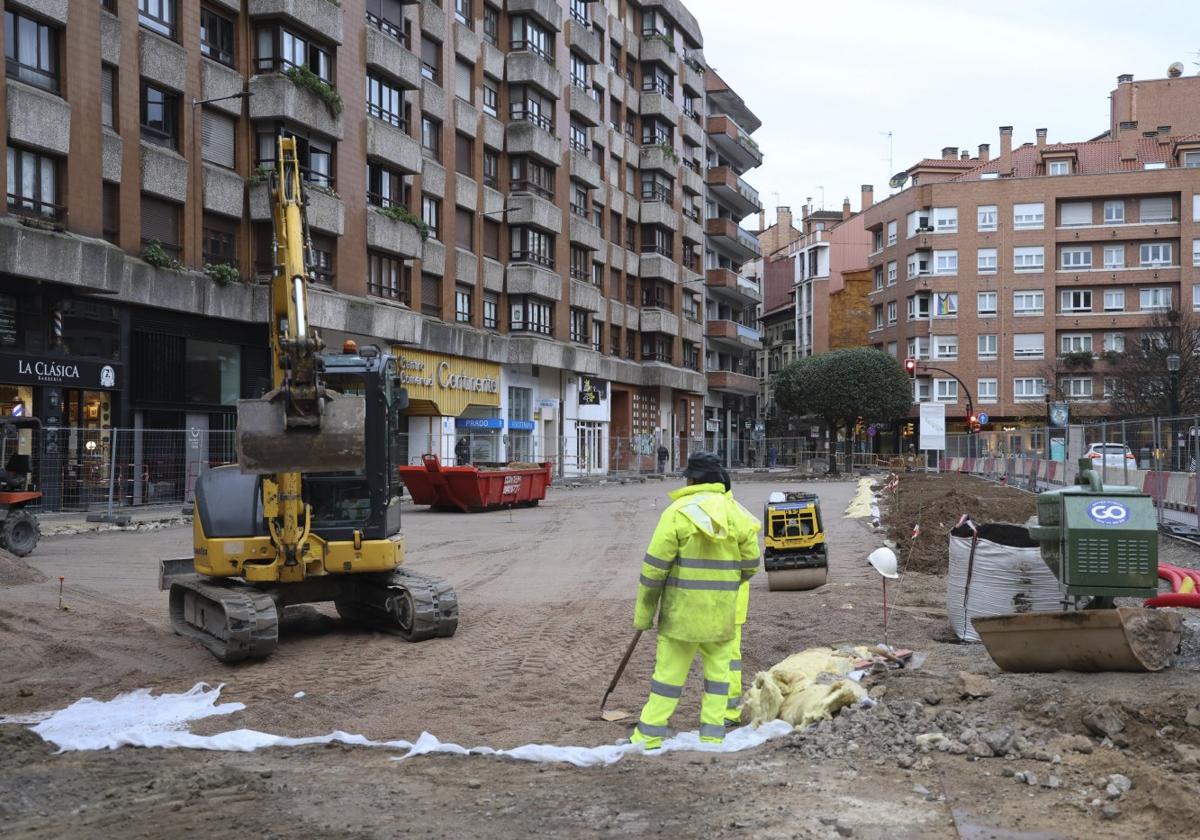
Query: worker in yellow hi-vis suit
733	707
704	548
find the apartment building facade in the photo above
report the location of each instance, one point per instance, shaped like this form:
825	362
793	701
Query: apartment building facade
733	285
496	194
1025	275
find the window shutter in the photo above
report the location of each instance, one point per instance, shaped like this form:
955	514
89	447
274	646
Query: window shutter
464	229
160	222
106	97
464	154
1156	209
1029	343
462	81
431	294
429	52
216	138
1077	213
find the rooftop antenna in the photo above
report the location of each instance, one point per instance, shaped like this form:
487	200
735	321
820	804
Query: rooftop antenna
891	150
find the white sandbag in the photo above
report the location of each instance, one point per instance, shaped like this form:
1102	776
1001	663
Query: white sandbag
1008	576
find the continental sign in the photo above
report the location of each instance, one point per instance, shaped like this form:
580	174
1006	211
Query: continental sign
443	385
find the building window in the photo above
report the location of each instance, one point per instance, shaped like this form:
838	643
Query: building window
491	168
491	308
491	24
986	347
1029	258
431	295
462	304
579	138
918	348
464	87
491	238
918	307
1114	342
160	223
1191	160
464	229
216	36
385	187
1114	300
1029	216
946	390
891	273
1077	387
986	302
323	267
219	241
945	304
111	211
431	60
1029	303
158	16
431	214
529	175
945	347
579	72
1196	253
1114	256
1058	167
491	97
1075	343
985	261
1075	214
530	314
280	48
579	325
464	155
32	183
581	261
388	17
531	245
31	51
1156	254
945	262
1155	299
388	277
1152	210
217	138
1029	346
1114	212
892	315
464	14
160	116
891	232
878	317
945	219
108	96
529	35
1076	258
986	217
987	390
385	101
1027	389
315	156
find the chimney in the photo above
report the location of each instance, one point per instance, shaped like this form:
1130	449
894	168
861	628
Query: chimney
949	152
984	152
965	155
1122	107
1005	140
1164	134
845	208
783	218
1127	139
1124	77
1041	137
868	196
762	219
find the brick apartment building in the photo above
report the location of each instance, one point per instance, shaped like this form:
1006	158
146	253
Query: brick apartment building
556	153
995	268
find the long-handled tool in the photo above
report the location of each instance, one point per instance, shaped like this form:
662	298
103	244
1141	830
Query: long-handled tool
616	714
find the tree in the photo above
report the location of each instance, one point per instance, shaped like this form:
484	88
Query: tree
1141	385
842	385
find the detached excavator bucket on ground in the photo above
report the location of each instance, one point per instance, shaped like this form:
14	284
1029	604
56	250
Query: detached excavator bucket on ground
266	445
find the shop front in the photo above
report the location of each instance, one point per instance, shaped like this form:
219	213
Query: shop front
453	407
586	423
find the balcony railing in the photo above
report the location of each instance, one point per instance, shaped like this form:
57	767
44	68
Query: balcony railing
389	28
653	84
545	260
533	47
657	192
522	114
748	333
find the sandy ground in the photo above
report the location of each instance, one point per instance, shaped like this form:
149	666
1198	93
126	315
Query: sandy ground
546	597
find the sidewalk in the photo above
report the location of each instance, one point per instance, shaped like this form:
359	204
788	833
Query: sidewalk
130	519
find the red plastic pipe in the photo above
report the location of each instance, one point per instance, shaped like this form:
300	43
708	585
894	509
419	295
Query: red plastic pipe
1176	599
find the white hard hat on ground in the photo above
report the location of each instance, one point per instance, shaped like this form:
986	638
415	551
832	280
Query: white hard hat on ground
884	561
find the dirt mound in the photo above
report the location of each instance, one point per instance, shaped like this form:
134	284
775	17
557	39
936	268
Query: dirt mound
16	572
936	503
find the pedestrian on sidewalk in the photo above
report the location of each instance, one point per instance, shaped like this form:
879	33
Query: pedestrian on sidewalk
703	550
462	452
663	455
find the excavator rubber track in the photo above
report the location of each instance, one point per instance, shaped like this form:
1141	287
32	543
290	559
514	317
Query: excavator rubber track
235	621
414	607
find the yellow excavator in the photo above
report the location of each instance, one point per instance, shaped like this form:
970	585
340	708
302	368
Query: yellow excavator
311	511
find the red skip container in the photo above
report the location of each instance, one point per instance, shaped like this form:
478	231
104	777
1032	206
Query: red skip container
473	490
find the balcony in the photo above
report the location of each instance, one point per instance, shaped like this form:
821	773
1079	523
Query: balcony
691	76
532	279
732	382
584	233
692	231
224	191
38	118
586	170
276	97
659	156
657	104
389	144
583	39
655	320
315	15
732	191
660	50
547	11
1116	233
522	137
734	143
655	266
690	179
387	54
1136	275
525	208
732	335
727	285
392	235
727	234
659	213
581	105
528	68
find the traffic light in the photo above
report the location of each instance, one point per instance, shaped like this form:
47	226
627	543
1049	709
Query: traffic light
973	423
858	427
910	367
909	430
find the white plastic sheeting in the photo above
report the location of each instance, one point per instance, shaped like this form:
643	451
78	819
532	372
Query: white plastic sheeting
141	719
1005	579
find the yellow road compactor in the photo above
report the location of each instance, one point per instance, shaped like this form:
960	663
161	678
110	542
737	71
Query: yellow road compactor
311	512
795	554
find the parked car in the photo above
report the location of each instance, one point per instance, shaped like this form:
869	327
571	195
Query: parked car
1115	455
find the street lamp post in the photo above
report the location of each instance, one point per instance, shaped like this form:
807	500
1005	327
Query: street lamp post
1173	361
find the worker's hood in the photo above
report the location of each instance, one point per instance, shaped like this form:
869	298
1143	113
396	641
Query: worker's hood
705	506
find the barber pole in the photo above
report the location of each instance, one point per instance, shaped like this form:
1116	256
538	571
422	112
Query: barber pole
58	328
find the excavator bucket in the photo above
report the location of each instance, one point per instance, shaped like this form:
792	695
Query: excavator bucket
265	444
1120	639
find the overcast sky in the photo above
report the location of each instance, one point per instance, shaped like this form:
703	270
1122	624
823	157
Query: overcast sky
826	79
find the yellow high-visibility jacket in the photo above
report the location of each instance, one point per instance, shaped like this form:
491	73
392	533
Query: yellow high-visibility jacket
704	548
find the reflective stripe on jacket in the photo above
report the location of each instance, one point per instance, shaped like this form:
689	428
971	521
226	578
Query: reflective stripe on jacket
703	550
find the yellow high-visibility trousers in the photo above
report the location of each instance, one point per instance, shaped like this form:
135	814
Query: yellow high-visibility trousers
673	659
733	707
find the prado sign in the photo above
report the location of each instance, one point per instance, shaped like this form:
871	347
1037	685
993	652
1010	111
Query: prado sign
440	385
